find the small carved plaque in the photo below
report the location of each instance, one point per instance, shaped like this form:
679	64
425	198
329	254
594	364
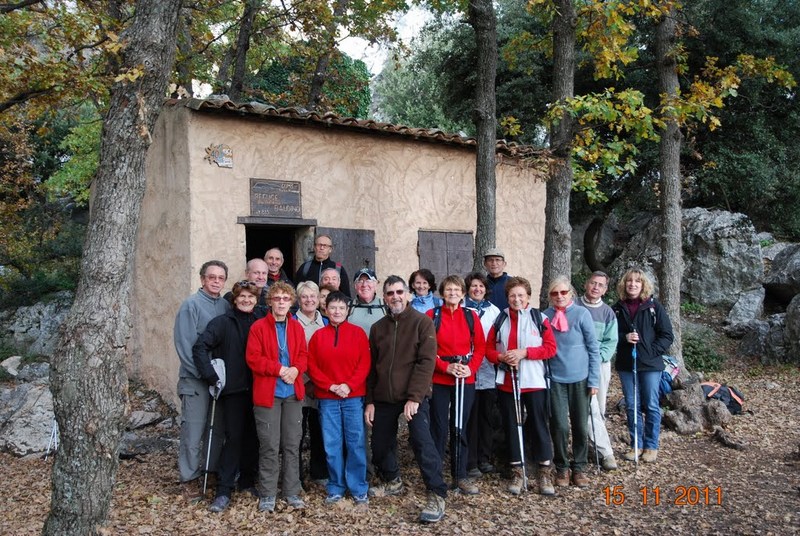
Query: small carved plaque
221	155
277	199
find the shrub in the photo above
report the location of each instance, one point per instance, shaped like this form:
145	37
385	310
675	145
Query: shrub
700	351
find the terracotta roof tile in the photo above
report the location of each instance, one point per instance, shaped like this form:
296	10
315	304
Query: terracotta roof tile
299	115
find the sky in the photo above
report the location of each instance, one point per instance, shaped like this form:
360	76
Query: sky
374	56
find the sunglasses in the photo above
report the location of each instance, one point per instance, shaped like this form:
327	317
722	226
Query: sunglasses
244	283
393	292
555	293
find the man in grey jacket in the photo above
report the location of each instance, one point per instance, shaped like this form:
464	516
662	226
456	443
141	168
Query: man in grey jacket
193	316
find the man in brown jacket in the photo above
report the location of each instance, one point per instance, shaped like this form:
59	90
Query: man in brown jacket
403	348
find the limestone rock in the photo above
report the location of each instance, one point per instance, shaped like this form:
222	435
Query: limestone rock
29	424
749	307
791	330
765	339
138	419
11	364
722	257
133	445
783	281
35	372
35	328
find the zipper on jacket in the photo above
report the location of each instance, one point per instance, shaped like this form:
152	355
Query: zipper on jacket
335	336
391	361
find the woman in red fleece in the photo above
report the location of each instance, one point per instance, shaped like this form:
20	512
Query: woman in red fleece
338	365
460	348
277	354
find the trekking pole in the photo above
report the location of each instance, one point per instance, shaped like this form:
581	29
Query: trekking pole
210	436
515	387
594	435
459	422
53	439
635	409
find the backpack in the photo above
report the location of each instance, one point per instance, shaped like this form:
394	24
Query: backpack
730	396
536	316
437	323
671	370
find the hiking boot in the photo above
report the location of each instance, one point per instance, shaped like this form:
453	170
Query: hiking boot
630	456
517	480
609	463
486	467
266	504
579	479
474	473
295	502
333	498
219	504
562	478
434	510
544	481
361	499
467	486
393	487
192	490
649	455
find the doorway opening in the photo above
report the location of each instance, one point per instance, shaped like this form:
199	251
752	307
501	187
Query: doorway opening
260	238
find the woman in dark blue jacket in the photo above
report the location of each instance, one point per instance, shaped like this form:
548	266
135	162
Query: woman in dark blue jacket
642	323
225	338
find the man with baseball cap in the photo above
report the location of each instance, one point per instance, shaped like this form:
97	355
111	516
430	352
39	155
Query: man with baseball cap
495	262
366	308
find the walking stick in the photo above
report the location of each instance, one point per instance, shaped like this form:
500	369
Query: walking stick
635	410
518	408
210	436
459	422
594	435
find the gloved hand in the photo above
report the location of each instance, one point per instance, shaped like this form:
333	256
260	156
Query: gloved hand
216	389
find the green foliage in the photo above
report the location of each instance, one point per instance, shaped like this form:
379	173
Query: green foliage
689	308
700	351
82	144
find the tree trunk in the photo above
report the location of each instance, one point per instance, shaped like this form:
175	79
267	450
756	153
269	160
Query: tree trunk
482	19
242	46
183	65
670	154
324	60
558	232
88	377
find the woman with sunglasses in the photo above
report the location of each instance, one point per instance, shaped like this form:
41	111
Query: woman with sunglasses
277	354
225	338
575	377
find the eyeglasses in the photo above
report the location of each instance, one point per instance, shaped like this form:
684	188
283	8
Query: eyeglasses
244	283
393	292
281	298
323	245
555	293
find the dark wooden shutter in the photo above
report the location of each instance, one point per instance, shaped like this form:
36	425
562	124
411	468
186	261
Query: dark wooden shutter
354	248
445	253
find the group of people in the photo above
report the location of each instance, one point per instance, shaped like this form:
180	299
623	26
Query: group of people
338	367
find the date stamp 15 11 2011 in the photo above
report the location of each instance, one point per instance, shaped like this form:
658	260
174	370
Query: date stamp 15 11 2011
656	496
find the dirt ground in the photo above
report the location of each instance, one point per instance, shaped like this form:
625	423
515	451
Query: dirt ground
702	488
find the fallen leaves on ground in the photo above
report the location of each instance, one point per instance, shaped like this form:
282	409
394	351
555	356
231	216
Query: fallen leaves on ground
721	490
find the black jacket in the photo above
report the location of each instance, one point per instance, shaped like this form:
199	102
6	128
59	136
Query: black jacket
655	336
225	337
312	271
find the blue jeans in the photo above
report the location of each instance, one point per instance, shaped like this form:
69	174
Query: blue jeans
343	435
647	405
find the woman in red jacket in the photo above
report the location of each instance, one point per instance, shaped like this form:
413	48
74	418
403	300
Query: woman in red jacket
460	348
278	356
338	364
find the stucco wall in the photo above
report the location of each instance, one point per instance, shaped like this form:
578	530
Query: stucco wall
391	185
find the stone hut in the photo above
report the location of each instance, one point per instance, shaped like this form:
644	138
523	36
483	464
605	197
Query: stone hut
228	181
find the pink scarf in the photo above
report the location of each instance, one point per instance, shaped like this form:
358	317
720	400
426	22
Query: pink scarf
560	320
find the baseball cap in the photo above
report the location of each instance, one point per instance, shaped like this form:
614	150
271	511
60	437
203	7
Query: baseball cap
367	272
494	252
